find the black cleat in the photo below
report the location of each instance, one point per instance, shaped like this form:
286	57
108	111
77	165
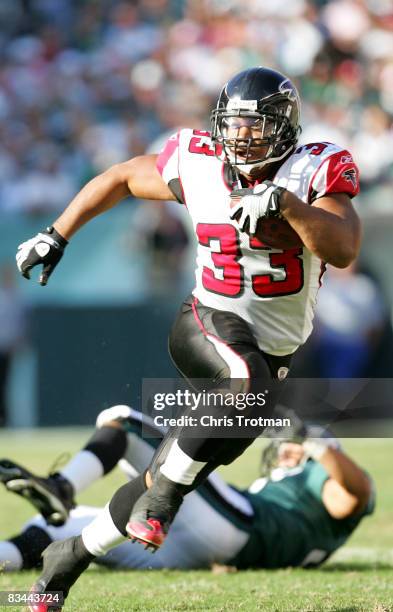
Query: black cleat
154	512
63	562
52	496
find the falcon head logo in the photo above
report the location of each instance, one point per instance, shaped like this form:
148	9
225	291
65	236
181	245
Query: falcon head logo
350	176
287	89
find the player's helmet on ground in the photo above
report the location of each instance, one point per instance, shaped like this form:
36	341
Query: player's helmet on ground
267	103
300	432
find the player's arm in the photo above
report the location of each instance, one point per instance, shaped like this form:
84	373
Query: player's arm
330	228
138	177
348	490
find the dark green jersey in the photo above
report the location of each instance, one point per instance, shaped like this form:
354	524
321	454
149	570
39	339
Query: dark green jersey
291	526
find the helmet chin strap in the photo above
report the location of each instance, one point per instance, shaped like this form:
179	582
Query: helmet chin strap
249	168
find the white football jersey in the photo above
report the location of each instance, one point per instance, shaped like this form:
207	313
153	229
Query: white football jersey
273	290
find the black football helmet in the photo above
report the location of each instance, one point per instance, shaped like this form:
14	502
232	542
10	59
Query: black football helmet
266	102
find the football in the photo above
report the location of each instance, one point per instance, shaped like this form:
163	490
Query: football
277	233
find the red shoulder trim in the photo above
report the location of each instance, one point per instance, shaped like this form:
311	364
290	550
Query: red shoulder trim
167	152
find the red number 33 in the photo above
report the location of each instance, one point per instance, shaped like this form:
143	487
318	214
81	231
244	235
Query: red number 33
227	277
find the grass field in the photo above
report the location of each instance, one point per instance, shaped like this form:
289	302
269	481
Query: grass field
358	577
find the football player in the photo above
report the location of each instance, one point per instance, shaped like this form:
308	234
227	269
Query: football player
309	499
252	306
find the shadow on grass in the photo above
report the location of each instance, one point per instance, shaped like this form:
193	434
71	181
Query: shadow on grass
346	609
356	567
331	568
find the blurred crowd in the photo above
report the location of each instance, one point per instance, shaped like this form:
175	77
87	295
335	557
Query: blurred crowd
87	83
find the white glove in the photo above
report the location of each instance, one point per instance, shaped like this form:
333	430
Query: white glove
45	248
315	449
250	204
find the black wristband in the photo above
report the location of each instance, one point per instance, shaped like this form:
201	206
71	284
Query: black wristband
56	236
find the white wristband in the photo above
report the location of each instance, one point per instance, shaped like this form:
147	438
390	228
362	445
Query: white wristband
315	448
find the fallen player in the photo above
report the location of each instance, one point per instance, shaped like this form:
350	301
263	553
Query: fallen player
311	498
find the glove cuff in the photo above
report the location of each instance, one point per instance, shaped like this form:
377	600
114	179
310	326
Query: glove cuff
276	210
56	236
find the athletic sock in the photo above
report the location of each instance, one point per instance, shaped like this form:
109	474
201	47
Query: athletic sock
108	529
180	467
222	451
190	458
82	470
101	534
100	455
122	503
30	544
109	445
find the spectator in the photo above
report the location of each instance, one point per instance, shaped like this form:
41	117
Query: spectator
113	74
161	238
352	318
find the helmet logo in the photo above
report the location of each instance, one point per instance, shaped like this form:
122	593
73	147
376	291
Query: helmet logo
287	89
349	175
239	104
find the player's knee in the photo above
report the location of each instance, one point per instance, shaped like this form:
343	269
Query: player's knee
113	416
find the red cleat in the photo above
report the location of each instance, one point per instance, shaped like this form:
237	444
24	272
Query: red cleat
150	532
45	602
43	607
154	512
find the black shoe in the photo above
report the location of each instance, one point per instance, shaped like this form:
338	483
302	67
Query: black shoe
52	496
154	512
63	562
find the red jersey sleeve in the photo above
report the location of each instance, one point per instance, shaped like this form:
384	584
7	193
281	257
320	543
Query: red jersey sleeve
337	174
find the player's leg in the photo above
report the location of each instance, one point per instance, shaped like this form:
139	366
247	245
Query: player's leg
218	346
53	496
65	561
212	526
23	551
109	528
214	507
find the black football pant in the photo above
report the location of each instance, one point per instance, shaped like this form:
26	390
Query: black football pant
218	346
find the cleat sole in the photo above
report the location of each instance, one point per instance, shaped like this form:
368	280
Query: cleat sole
41	499
148	545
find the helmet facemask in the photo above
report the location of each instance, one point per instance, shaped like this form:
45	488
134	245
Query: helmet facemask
269	129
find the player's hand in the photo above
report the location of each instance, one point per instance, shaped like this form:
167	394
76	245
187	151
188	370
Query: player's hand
318	440
249	204
45	248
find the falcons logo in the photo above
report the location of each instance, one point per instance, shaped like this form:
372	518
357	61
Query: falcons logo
350	176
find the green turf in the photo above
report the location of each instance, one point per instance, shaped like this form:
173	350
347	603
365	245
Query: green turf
357	578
